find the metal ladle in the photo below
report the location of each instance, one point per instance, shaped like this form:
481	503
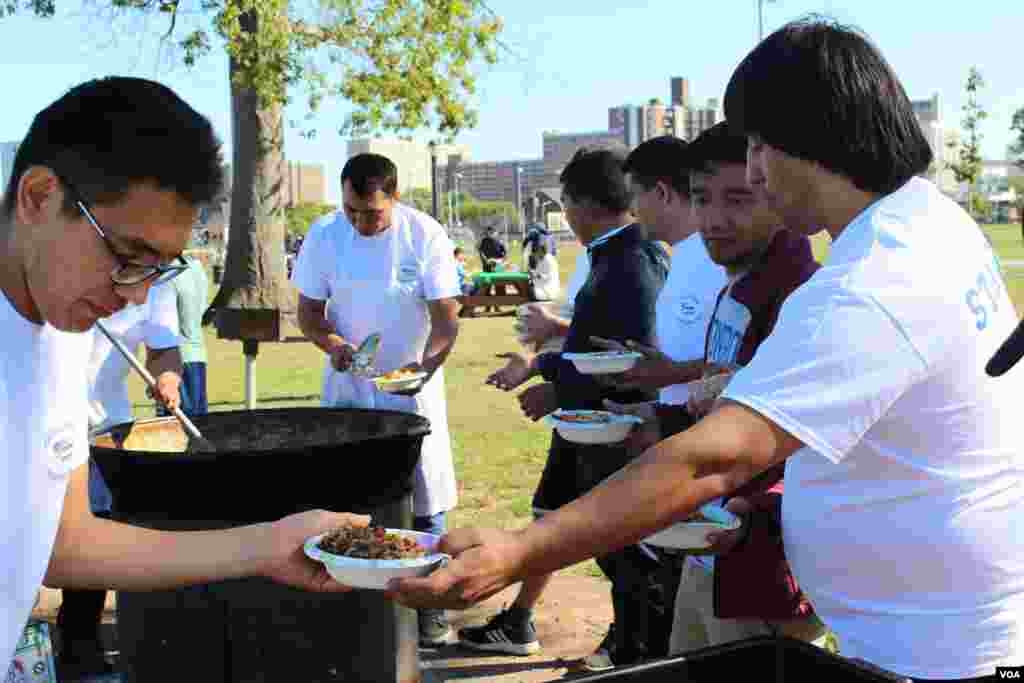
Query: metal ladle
197	442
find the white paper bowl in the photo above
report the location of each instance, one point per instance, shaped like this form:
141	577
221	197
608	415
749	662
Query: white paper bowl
693	535
615	430
409	383
375	574
603	362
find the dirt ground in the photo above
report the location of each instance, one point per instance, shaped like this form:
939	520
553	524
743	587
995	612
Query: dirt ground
571	621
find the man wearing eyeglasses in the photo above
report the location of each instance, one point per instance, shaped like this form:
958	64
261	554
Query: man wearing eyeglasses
104	191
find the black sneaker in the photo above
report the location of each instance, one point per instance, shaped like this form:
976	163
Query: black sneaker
434	628
503	633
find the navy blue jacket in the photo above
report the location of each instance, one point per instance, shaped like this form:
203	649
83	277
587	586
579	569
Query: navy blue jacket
616	302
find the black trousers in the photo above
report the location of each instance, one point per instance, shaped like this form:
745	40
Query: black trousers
643	602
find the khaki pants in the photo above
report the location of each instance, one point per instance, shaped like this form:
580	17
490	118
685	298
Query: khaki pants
695	625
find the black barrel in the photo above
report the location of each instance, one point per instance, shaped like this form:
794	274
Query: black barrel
764	660
268	464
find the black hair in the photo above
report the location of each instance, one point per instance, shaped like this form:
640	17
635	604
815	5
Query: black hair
369	173
664	158
596	175
721	144
820	91
458	250
109	135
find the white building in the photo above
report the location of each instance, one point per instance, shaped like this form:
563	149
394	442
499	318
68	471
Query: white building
411	157
929	115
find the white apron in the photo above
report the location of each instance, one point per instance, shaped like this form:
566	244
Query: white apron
392	304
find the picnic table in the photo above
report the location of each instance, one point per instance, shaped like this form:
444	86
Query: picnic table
492	290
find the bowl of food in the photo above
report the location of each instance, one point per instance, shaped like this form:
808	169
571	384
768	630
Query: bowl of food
592	426
403	379
691	533
603	362
370	557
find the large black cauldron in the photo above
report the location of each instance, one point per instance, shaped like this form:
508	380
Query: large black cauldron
269	463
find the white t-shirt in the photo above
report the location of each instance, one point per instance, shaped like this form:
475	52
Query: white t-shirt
903	517
382	284
546	284
580	273
685	306
44	432
153	323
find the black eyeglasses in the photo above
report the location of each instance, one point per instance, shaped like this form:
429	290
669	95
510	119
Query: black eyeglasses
127	273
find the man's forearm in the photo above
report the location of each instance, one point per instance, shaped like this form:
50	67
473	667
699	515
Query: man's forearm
439	344
319	330
666	484
134	558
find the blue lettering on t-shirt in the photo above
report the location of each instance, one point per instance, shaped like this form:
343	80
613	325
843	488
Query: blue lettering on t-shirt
986	294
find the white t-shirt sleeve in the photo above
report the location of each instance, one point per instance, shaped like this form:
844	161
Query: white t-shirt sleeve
440	272
835	363
310	273
161	329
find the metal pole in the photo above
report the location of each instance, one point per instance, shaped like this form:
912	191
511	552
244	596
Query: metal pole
451	213
458	220
250	349
760	20
433	179
519	196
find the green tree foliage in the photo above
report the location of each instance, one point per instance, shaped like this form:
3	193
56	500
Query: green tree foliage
981	208
419	198
967	167
471	211
401	64
298	218
1017	146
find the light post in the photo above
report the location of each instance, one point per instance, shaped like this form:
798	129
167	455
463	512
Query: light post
760	18
519	197
433	179
458	221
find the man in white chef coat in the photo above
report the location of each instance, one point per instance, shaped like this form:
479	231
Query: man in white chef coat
383	267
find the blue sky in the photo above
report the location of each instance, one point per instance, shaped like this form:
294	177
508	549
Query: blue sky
573	59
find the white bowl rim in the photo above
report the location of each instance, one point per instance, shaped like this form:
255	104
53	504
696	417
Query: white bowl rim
415	377
603	355
615	419
728	522
332	560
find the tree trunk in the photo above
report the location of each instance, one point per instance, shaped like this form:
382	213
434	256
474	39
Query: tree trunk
254	272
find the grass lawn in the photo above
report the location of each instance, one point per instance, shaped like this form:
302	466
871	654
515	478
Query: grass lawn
498	453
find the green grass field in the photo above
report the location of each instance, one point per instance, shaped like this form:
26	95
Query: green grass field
498	453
